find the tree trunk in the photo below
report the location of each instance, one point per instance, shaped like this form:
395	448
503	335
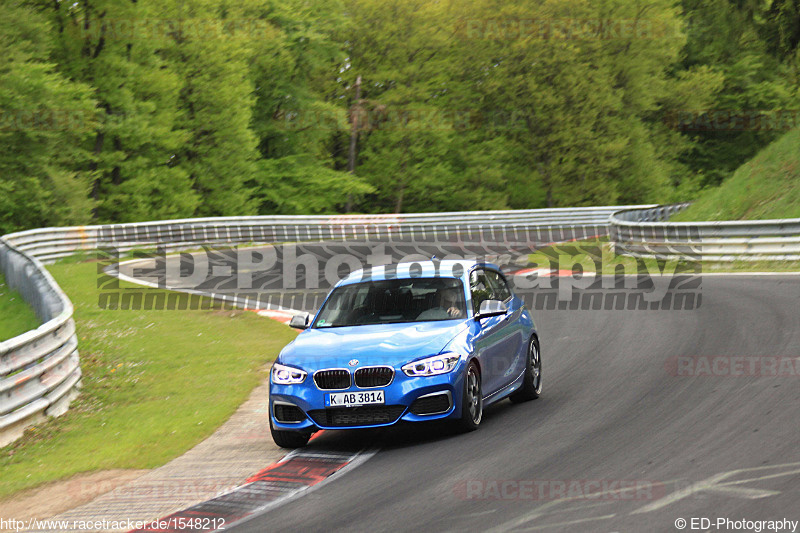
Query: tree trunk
351	156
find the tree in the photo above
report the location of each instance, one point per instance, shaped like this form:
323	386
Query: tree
114	47
217	107
413	146
585	86
735	39
295	119
44	121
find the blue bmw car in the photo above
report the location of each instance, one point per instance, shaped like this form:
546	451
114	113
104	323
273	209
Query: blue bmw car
410	342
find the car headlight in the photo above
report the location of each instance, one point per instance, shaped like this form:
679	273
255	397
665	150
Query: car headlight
287	375
431	366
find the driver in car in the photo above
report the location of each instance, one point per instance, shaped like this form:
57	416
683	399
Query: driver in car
446	306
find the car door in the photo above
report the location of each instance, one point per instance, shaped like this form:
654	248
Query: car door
494	339
514	343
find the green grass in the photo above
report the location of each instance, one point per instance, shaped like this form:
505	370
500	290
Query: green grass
16	316
598	251
766	187
155	384
751	266
591	253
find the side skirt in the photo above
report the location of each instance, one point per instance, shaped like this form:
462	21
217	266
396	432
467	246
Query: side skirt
505	391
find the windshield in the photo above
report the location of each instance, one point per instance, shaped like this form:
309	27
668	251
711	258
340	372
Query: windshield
394	300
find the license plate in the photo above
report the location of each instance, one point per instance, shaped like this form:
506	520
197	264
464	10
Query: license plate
353	399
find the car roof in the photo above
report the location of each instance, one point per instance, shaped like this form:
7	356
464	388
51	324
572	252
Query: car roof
449	268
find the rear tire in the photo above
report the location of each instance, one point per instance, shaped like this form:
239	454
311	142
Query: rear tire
288	439
532	381
471	399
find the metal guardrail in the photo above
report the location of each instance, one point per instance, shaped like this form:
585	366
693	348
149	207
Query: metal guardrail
39	370
642	233
49	244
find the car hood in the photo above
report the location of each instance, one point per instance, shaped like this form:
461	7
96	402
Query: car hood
379	344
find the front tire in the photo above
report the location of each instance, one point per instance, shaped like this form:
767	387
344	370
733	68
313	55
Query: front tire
471	399
532	381
288	439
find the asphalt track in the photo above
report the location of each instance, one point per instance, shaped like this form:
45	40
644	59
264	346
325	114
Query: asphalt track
613	414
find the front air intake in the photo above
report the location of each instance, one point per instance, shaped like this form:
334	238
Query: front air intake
288	414
367	415
431	404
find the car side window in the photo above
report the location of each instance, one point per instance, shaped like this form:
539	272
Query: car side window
480	288
500	288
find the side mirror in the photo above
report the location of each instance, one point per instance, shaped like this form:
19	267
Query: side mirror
491	308
299	321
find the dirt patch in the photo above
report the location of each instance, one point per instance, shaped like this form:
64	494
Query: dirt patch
55	498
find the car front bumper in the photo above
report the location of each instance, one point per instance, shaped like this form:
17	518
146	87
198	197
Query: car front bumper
399	397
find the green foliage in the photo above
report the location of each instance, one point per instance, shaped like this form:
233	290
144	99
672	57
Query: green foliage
299	184
217	107
45	120
588	102
738	41
768	186
109	45
297	125
781	29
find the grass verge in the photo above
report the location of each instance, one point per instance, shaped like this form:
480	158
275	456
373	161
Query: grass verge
155	384
16	316
766	187
594	252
